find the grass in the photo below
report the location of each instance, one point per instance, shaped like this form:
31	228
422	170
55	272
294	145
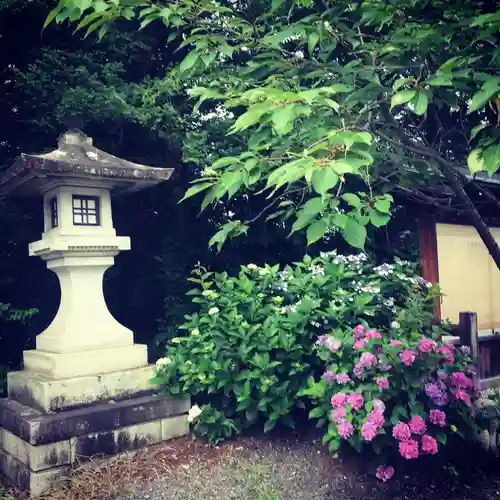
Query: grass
258	482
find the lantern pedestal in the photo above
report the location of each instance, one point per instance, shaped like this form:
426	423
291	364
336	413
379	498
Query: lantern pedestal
38	448
86	389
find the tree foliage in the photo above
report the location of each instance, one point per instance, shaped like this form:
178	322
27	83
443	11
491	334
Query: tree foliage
335	103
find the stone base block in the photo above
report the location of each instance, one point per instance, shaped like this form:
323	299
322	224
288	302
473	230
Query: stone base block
36	449
47	394
83	363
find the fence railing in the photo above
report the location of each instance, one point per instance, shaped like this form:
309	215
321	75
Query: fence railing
485	349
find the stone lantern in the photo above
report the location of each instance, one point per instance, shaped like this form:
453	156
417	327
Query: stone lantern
86	388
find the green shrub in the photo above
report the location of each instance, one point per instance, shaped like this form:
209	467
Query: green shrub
250	349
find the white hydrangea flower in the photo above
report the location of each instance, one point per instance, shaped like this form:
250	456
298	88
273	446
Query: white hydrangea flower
194	413
252	266
210	294
213	310
395	325
163	362
195	331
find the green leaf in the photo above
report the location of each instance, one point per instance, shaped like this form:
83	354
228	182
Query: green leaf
270	424
402	81
440	80
313	206
251	117
354	233
302	221
283	118
475	130
441	437
379	219
491	158
475	161
53	13
383	205
334	445
420	103
316	412
189	61
317	230
489	89
352	199
312	42
324	179
402	97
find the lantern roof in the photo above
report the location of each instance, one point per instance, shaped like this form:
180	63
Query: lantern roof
77	162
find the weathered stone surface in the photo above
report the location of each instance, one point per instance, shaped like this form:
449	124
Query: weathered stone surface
37	458
173	427
114	442
84	363
21	476
46	394
76	160
37	428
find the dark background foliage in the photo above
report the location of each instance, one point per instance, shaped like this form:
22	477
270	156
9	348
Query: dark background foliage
116	92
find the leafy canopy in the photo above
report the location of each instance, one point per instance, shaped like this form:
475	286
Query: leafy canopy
335	102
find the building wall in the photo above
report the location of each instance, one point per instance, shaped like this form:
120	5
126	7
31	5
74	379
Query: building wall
468	276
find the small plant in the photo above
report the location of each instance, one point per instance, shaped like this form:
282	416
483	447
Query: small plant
384	391
250	349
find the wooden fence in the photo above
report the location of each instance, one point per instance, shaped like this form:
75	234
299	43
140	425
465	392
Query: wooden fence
485	349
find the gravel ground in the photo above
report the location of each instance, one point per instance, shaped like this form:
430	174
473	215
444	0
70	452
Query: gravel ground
297	469
277	467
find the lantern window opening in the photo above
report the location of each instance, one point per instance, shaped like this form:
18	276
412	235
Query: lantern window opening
54	214
86	210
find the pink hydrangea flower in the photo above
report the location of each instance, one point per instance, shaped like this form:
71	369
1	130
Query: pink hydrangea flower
379	405
342	378
359	344
322	340
338	399
333	344
426	345
368	360
376	417
446	352
462	396
429	445
345	429
395	343
408	449
401	431
356	401
338	414
383	383
373	334
407	357
328	376
369	431
461	381
417	425
359	331
384	472
438	417
358	370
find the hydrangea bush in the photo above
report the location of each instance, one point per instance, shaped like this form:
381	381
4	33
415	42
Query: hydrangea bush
251	348
395	390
